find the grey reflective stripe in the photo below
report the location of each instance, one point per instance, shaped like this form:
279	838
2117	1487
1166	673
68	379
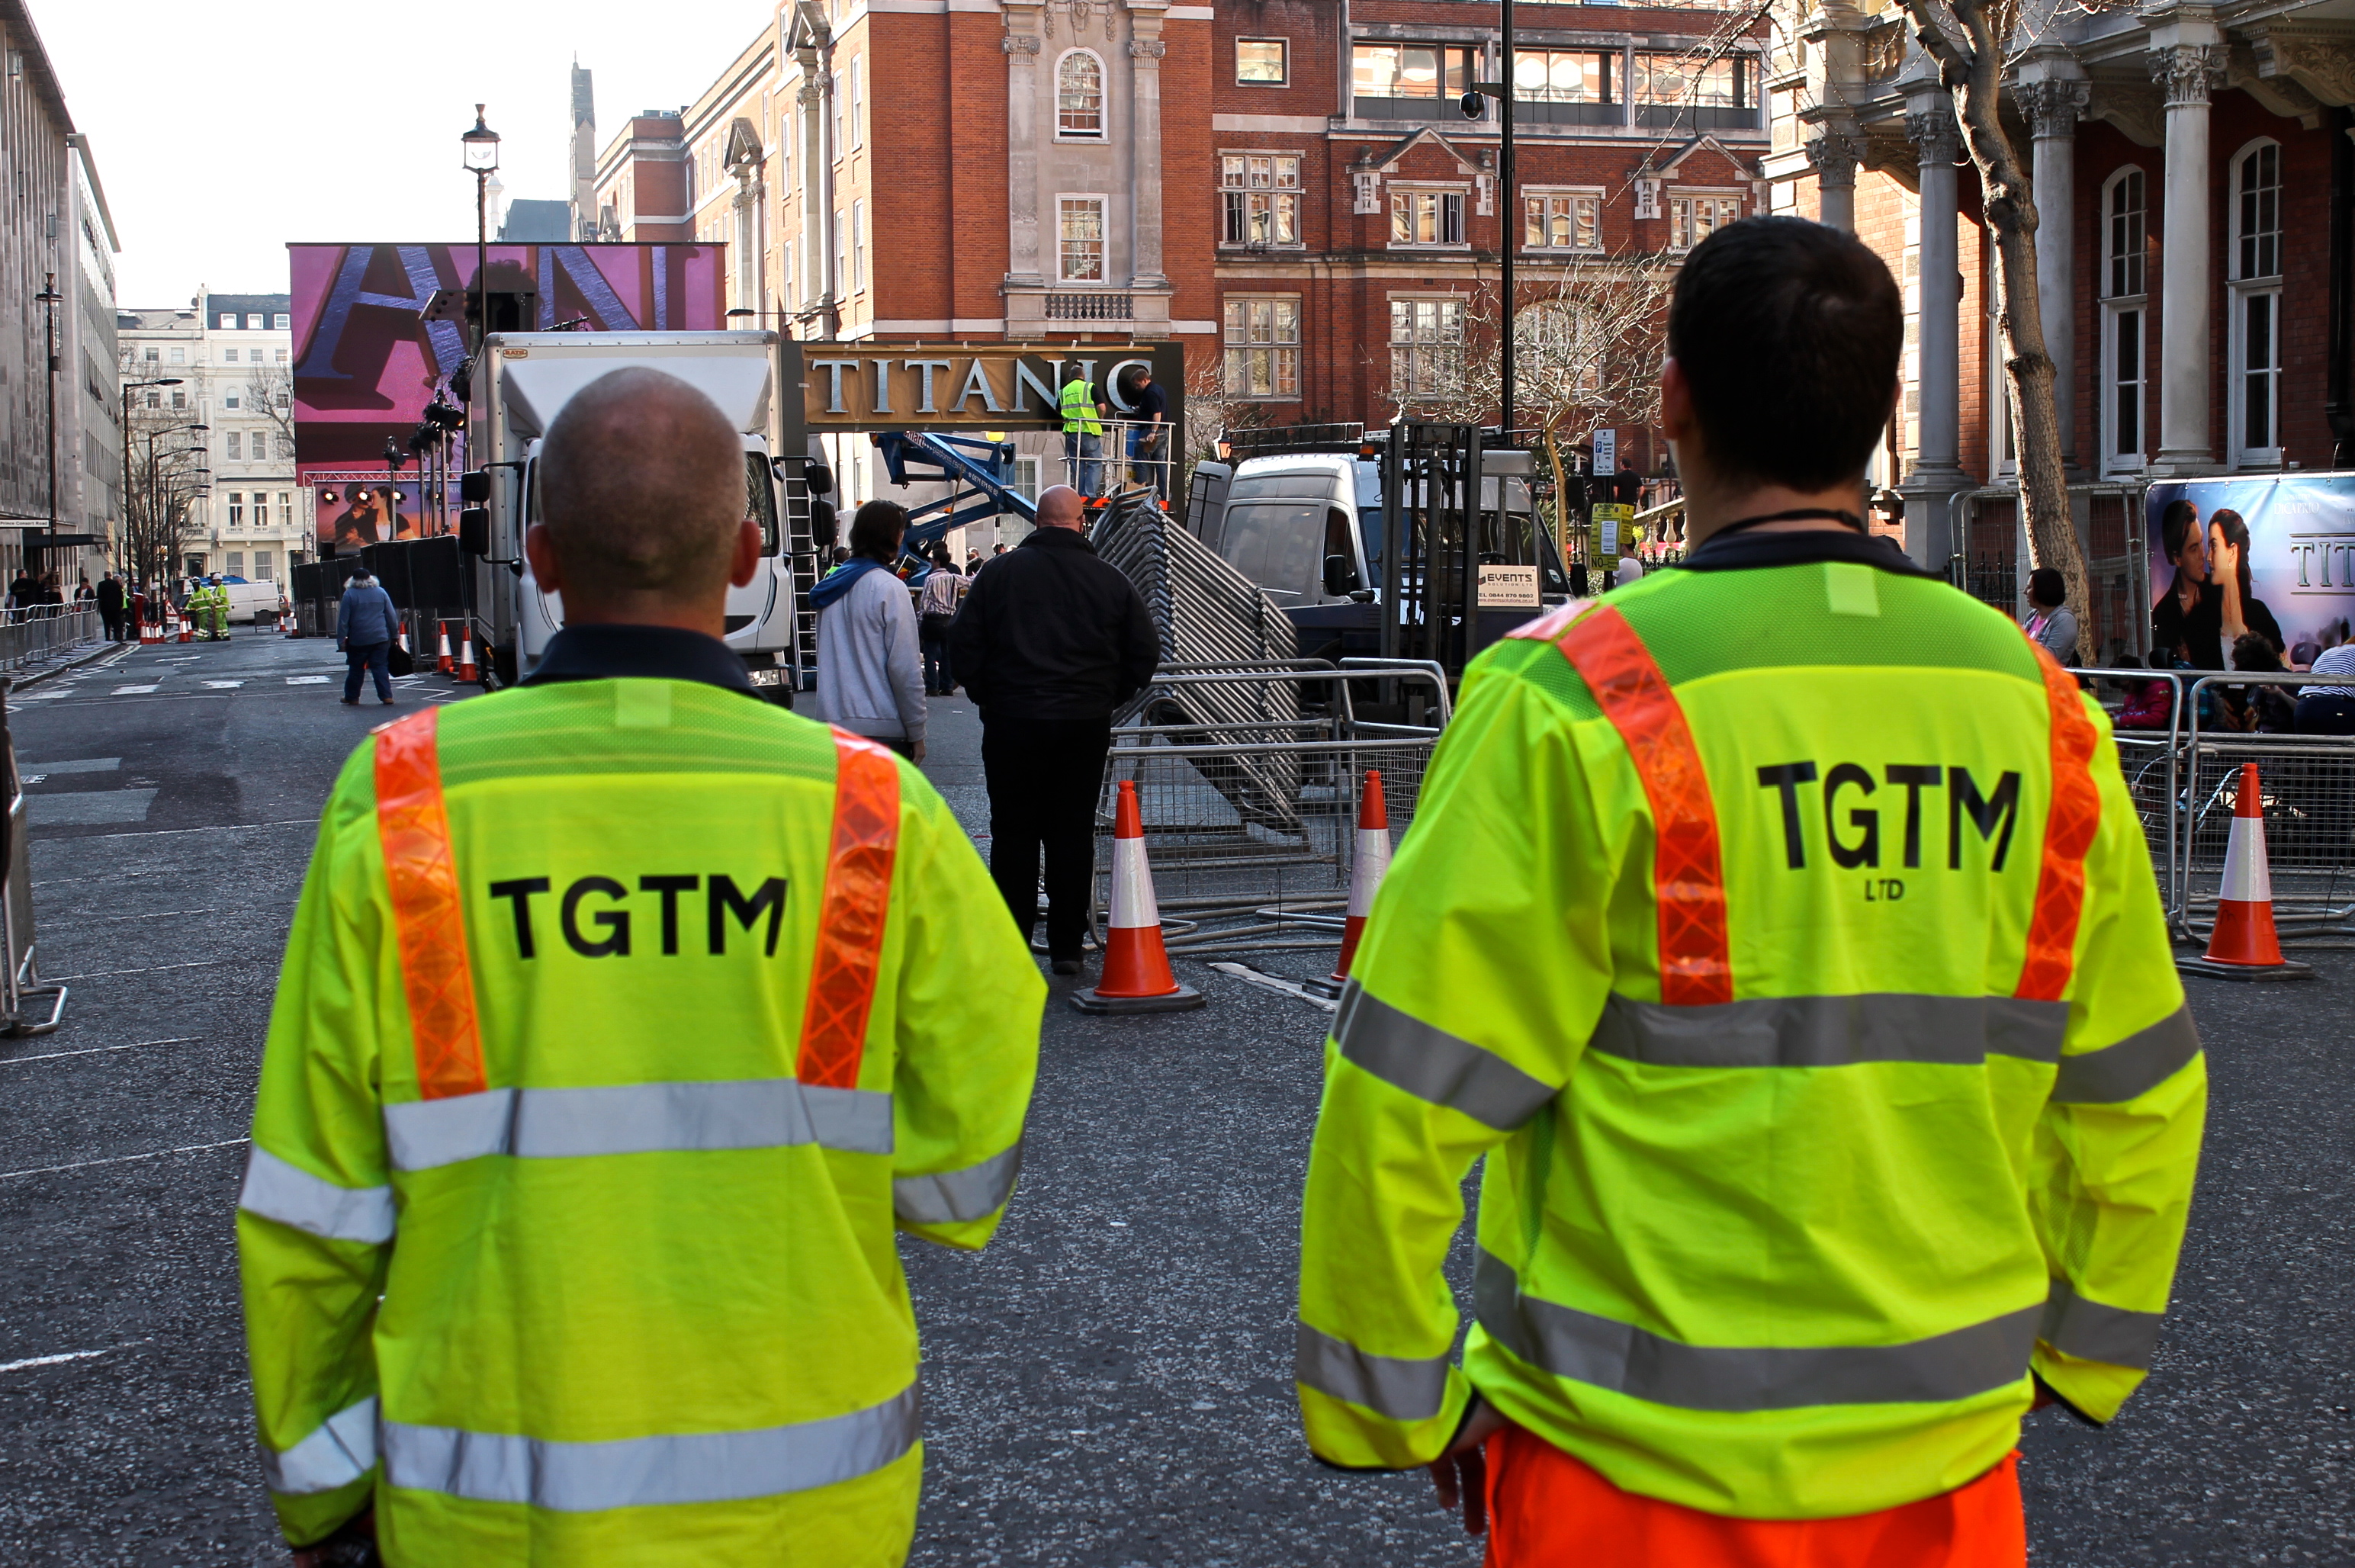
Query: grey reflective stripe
1618	1356
638	1472
339	1452
2132	1068
1832	1031
974	1193
1404	1388
1432	1064
635	1118
293	1196
2093	1332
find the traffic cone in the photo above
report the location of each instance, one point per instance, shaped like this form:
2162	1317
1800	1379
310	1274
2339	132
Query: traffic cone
2243	945
1373	861
188	627
467	660
442	661
1136	974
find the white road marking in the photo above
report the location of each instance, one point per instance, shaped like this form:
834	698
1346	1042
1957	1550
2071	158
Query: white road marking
79	765
308	679
224	684
129	690
122	1158
99	1050
51	1360
150	969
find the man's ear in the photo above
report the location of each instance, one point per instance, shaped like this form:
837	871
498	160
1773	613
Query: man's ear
539	548
744	563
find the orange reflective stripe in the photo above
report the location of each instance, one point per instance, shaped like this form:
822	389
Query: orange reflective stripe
2069	830
850	919
422	872
1688	873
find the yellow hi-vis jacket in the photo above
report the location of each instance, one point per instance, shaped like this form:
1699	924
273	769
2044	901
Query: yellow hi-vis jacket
1786	940
1078	408
622	1022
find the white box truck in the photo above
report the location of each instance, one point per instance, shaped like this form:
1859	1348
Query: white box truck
526	380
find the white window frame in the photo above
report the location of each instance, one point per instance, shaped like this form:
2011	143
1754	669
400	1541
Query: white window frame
858	247
2122	312
858	102
235	508
1277	195
1103	94
1237	314
1686	196
1550	194
1411	191
2245	290
1401	395
1103	237
1285	47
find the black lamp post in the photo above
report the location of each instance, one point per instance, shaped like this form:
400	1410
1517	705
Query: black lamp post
1507	207
49	298
122	556
482	161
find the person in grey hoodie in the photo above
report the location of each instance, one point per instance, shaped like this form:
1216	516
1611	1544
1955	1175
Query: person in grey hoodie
870	676
365	624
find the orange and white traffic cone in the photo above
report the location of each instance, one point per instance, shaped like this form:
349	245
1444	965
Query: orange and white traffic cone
2243	945
1136	974
188	627
465	660
442	660
1372	863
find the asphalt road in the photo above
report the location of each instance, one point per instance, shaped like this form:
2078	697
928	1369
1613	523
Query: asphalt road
1109	1384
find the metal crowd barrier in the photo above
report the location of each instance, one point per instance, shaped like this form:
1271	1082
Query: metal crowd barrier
1116	469
23	993
1251	822
42	632
2309	795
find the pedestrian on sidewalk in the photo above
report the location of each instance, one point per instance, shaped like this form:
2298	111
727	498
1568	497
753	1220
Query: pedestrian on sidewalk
1829	1129
942	590
625	1017
110	606
365	624
870	679
2051	623
1050	640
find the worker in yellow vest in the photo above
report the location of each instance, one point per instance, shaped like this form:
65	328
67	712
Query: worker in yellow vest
623	1017
1083	411
1781	931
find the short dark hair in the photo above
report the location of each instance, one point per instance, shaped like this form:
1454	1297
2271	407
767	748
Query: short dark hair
1788	333
2175	522
876	531
2046	586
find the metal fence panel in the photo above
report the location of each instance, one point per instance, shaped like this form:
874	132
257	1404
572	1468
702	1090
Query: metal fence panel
2308	792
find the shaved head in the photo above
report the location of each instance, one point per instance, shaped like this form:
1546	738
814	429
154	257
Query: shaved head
1058	508
643	487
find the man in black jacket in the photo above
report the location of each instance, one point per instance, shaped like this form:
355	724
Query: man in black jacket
1050	640
110	606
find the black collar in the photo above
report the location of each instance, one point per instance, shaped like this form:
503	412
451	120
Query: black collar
1057	538
639	653
1751	549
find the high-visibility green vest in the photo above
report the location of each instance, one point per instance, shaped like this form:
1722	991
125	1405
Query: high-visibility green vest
621	1024
1786	940
1078	408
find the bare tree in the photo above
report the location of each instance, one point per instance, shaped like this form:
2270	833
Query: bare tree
1968	40
166	475
270	392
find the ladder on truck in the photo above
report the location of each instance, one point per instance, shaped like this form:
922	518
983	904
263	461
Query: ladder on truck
802	546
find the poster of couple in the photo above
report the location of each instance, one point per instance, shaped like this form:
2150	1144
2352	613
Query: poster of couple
362	511
2270	554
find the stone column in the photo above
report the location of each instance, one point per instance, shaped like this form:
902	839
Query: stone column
2188	72
1834	155
811	100
1937	474
1145	52
2052	106
1021	44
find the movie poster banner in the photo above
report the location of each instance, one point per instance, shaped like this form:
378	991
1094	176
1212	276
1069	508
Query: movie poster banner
2301	552
355	508
379	328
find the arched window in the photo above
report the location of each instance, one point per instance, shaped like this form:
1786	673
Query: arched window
2124	378
2255	380
1078	95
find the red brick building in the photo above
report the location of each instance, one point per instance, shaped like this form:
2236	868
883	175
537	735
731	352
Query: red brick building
1288	189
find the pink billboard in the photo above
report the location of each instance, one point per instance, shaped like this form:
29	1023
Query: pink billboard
371	348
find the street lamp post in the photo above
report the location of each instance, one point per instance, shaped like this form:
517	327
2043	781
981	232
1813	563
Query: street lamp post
122	556
49	298
482	161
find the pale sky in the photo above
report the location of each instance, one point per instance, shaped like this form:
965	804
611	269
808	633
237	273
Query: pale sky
222	133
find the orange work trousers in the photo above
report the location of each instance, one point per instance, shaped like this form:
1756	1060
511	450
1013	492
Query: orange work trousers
1546	1509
